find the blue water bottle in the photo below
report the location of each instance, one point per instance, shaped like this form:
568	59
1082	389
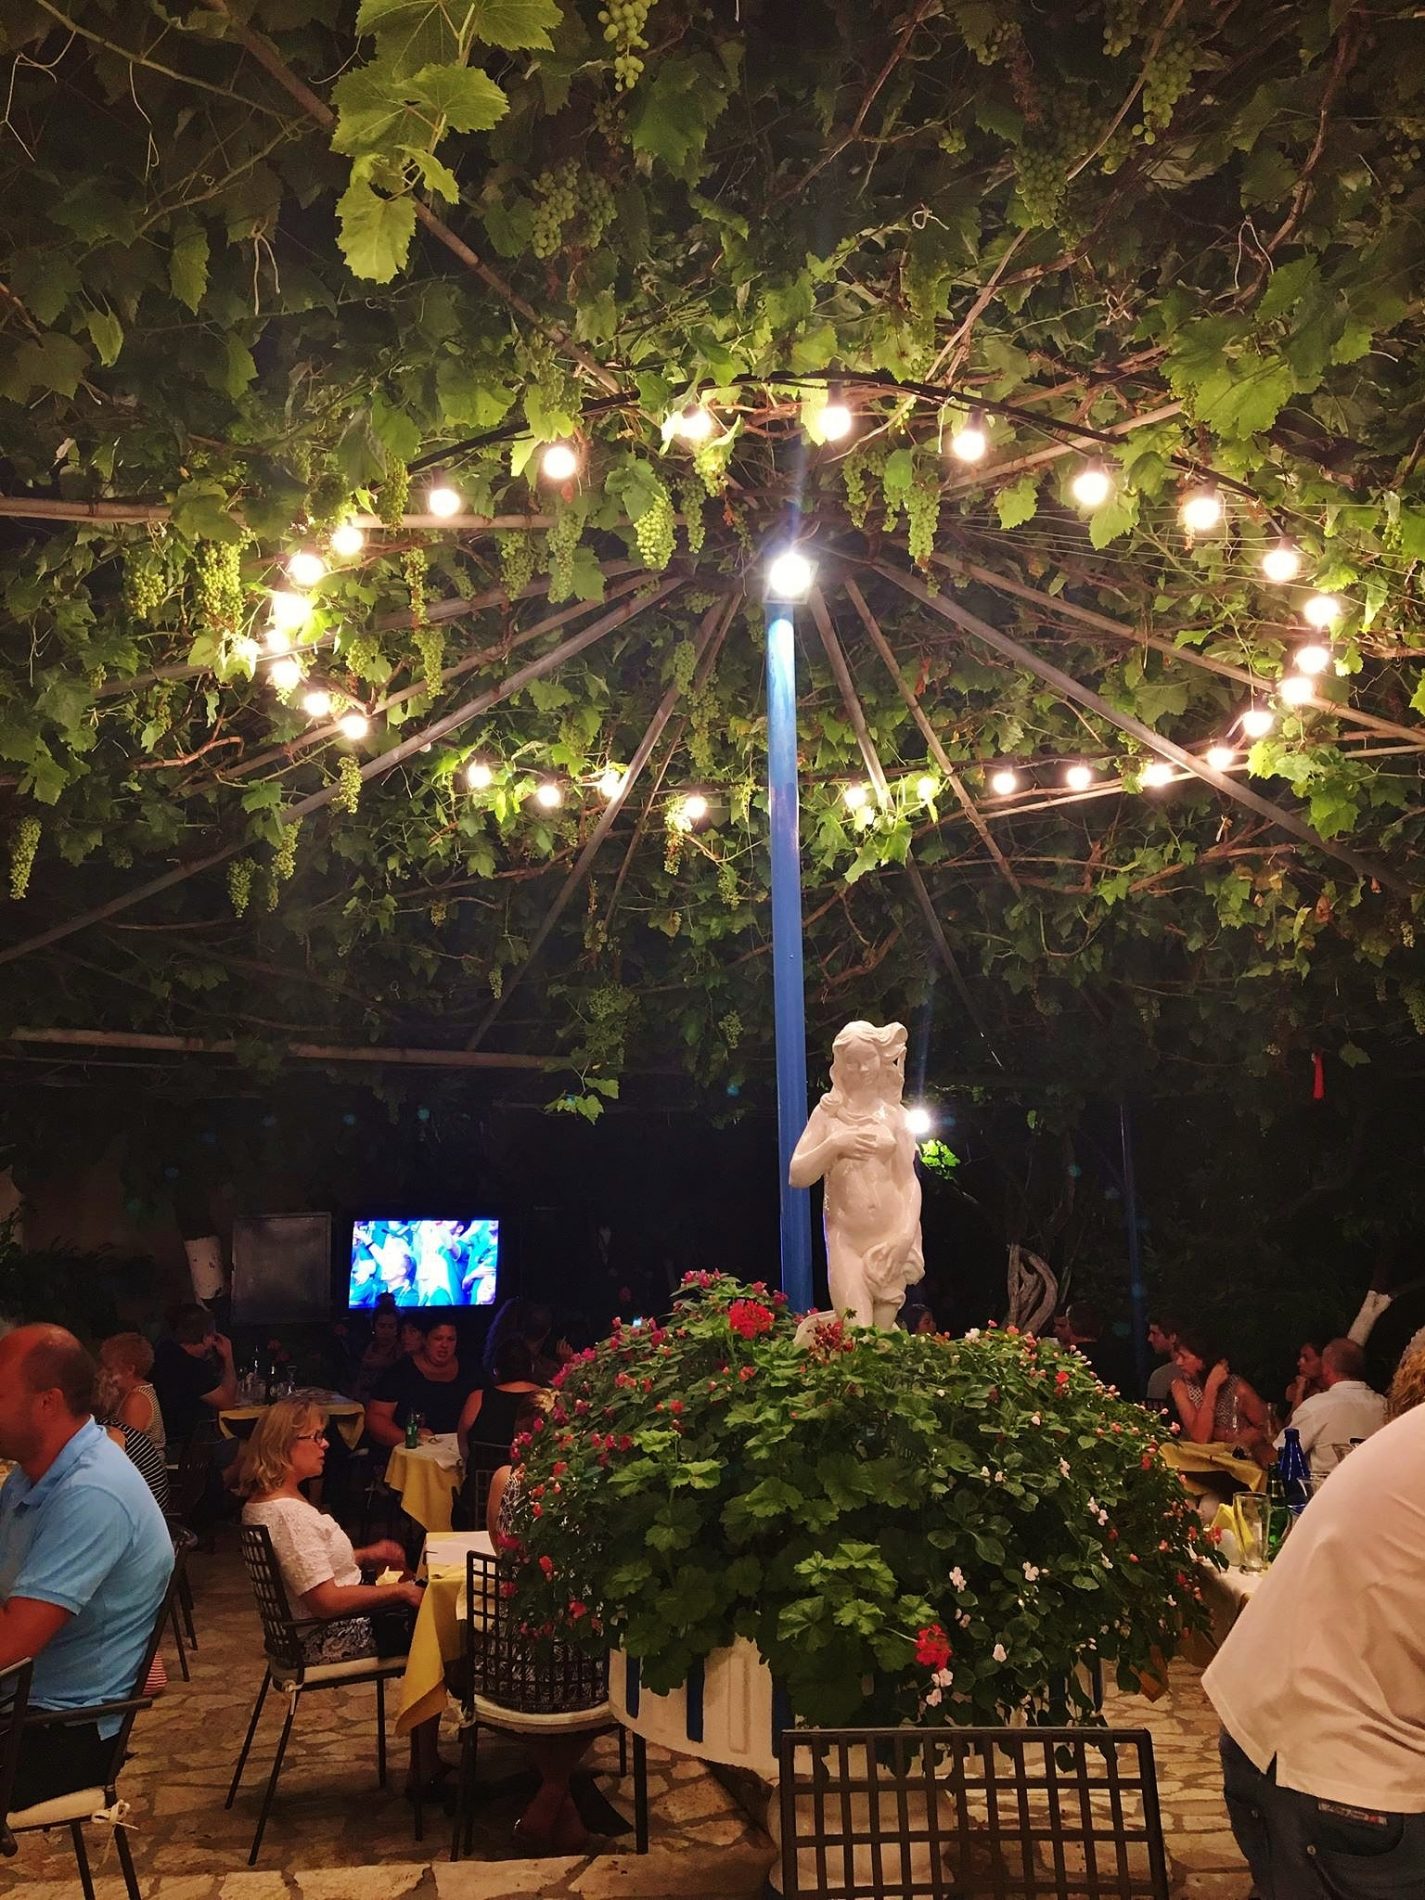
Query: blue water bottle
1294	1472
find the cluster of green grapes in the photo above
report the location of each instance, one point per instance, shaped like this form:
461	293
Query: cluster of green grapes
560	546
497	981
700	738
439	911
856	468
730	1028
144	582
608	119
516	561
623	22
24	843
347	795
217	586
429	643
656	530
556	200
673	839
1414	995
690	499
284	856
362	654
1120	25
710	460
240	872
414	568
1167	79
1039	177
987	38
922	513
729	891
685	660
598	207
395	493
157	715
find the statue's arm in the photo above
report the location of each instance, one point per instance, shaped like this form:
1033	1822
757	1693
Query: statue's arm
814	1153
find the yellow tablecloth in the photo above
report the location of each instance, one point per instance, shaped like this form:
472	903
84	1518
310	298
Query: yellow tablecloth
435	1641
1186	1458
427	1489
349	1416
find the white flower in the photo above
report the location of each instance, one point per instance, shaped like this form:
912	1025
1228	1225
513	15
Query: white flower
1064	1471
963	1619
973	1333
1031	1573
1035	1419
1000	1653
999	1477
984	1471
943	1678
933	1698
957	1578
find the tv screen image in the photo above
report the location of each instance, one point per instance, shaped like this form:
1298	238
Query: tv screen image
425	1262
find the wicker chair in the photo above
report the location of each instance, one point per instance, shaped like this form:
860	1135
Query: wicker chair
100	1801
292	1675
927	1814
510	1684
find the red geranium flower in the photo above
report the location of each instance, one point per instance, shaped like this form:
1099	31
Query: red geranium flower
932	1647
546	1564
750	1318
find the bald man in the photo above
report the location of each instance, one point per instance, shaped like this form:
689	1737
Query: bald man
85	1557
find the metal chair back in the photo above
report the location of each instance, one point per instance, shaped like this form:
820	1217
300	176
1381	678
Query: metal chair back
189	1479
971	1814
14	1699
510	1666
280	1635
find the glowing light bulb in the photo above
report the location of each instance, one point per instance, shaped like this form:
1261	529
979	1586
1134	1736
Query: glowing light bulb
695	808
1323	610
1158	773
354	724
694	424
549	795
318	703
1282	563
1003	783
855	797
1092	486
305	568
1258	721
926	788
789	576
442	499
479	776
277	640
285	674
1201	510
560	462
1297	690
1312	658
918	1121
1078	778
610	782
971	440
290	612
837	421
347	539
1219	757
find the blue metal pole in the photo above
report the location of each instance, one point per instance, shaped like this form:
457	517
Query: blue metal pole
788	990
1137	1291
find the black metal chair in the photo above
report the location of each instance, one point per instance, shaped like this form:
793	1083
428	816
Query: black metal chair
98	1802
507	1681
292	1675
956	1814
14	1699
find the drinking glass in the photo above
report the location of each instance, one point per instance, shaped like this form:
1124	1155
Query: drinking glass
1251	1515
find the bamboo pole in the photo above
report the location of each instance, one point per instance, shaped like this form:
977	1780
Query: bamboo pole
1155	742
714	626
302	1051
374	768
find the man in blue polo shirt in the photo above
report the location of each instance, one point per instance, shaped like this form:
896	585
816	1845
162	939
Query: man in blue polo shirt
85	1557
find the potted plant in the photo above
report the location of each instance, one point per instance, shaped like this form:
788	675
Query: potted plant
908	1528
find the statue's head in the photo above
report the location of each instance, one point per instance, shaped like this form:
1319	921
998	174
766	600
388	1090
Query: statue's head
868	1064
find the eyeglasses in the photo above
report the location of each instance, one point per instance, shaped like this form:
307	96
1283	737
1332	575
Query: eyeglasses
316	1438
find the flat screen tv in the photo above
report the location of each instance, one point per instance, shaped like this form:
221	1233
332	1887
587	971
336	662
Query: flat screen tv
425	1262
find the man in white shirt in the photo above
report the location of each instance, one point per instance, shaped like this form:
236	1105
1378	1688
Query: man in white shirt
1348	1409
1321	1689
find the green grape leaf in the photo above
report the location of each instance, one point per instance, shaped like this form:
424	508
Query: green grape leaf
468	99
188	266
375	233
1018	503
516	25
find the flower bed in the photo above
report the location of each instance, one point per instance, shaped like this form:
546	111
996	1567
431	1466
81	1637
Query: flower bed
909	1528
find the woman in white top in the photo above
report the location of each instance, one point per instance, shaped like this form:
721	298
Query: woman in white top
127	1359
321	1571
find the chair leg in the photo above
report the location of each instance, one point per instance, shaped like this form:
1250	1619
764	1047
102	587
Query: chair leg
622	1753
640	1795
464	1791
178	1641
247	1742
126	1863
381	1731
272	1779
185	1598
82	1857
470	1805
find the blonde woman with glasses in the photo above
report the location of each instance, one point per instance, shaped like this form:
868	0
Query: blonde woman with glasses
321	1571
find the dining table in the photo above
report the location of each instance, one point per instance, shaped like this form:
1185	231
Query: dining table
1199	1465
427	1477
435	1640
348	1415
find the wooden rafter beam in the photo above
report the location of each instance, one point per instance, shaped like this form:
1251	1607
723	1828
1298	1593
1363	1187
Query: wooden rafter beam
155	513
302	1051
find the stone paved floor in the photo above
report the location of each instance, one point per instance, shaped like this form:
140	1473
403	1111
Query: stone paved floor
334	1836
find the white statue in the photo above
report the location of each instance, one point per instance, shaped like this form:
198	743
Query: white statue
858	1141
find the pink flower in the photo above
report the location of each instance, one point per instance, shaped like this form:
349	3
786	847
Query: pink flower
746	1372
546	1564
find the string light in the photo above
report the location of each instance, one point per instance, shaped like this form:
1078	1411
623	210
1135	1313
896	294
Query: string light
610	782
1283	562
305	568
277	640
1257	722
443	499
1322	610
1296	690
836	420
789	576
549	795
1201	510
560	462
1312	658
1159	772
285	675
971	439
695	808
695	423
1219	757
926	788
919	1122
855	796
1078	778
290	612
479	776
1004	783
347	539
354	724
318	703
1092	486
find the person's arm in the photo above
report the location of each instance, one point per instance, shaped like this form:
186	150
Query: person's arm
381	1422
1198	1421
225	1392
326	1600
1375	1303
72	1552
1306	1422
492	1504
814	1153
385	1552
136	1410
26	1625
469	1412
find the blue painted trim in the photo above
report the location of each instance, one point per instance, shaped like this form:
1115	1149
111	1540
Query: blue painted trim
782	1717
693	1703
788	986
630	1684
